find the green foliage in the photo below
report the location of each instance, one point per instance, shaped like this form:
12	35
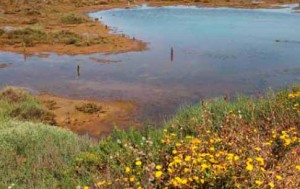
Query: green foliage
36	155
27	36
73	19
17	103
66	37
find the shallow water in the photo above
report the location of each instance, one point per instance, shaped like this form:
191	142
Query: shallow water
216	52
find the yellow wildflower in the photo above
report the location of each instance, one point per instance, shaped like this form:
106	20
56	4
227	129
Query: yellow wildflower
196	141
184	181
158	174
178	144
158	167
132	179
249	167
236	158
178	179
127	170
174	152
86	187
101	183
260	160
170	170
188	158
278	177
204	166
291	95
271	184
138	163
196	178
298	167
287	141
257	148
268	143
258	182
230	156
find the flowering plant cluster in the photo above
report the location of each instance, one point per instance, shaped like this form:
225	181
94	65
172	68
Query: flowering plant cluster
238	149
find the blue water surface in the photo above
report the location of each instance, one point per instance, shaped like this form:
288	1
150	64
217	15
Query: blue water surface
216	51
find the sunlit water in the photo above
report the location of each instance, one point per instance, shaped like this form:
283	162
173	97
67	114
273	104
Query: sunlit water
216	52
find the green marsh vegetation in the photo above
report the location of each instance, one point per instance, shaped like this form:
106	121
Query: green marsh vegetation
31	36
245	143
73	19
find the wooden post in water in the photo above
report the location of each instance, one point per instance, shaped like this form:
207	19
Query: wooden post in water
172	54
78	71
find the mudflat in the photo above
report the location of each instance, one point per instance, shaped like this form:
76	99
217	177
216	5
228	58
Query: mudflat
94	118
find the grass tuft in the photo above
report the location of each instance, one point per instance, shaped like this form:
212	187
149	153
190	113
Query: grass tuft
73	19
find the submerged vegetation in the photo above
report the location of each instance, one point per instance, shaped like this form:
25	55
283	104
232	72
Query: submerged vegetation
246	143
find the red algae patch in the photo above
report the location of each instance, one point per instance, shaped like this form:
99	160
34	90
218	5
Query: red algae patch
90	117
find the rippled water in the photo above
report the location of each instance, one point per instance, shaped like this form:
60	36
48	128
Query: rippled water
215	51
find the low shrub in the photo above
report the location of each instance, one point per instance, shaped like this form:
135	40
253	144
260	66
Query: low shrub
73	19
66	37
27	36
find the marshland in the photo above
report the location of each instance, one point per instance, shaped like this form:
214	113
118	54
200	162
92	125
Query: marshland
149	94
